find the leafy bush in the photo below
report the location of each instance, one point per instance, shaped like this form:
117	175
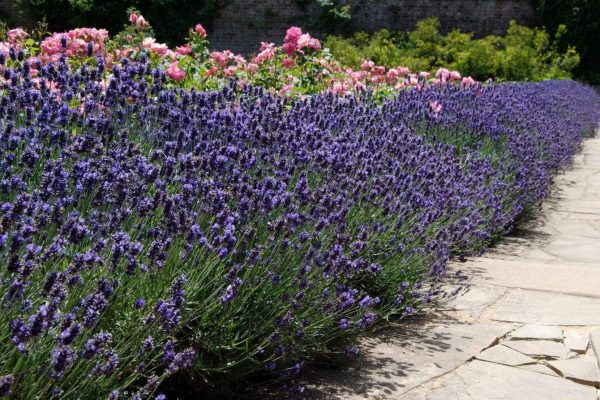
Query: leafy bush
522	54
582	21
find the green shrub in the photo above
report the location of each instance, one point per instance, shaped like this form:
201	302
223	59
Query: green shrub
523	54
582	20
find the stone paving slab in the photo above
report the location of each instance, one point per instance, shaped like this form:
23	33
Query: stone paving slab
539	332
539	368
595	337
574	249
501	354
544	308
404	360
473	302
575	278
539	348
480	380
583	370
577	344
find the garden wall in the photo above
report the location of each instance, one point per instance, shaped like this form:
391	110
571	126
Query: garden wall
242	24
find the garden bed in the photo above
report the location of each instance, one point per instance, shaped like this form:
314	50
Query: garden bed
148	231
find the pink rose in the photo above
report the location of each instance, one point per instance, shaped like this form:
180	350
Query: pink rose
200	30
229	71
286	89
442	73
292	35
159	48
184	50
288	63
174	72
289	48
436	107
314	44
133	17
141	23
220	57
211	71
252	68
378	70
403	71
367	65
266	54
468	81
50	45
17	35
455	76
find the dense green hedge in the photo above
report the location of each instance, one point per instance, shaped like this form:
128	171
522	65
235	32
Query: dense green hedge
523	54
582	19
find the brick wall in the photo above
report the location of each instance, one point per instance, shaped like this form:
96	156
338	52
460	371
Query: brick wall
243	24
9	13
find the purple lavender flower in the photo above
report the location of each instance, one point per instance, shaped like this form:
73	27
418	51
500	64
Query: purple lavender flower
6	383
62	357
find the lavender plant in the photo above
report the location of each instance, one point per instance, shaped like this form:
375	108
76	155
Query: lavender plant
146	230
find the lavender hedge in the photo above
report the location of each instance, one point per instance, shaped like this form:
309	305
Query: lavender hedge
145	231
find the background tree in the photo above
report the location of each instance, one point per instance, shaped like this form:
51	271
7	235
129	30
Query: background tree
582	19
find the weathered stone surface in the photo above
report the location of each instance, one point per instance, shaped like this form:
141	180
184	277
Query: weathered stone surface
578	344
548	308
574	249
539	348
542	369
572	278
480	380
503	355
473	302
541	332
400	360
595	336
583	370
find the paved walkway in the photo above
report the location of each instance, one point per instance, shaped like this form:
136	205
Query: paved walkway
528	328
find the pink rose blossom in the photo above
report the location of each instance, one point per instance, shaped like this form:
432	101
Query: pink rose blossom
286	89
468	81
184	50
442	73
17	35
211	71
367	65
288	63
252	68
378	70
141	23
200	30
133	17
174	72
454	76
289	48
229	71
404	71
266	54
266	45
292	35
436	107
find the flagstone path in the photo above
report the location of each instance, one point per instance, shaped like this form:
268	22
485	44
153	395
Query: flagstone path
527	329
